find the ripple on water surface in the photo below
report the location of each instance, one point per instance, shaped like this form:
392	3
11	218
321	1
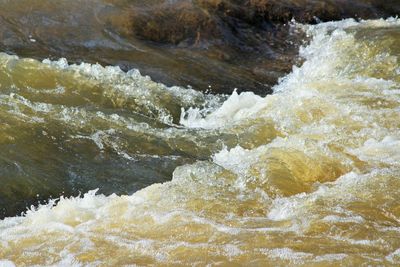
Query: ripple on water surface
308	175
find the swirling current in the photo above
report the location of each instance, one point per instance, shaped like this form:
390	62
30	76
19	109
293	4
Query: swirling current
309	175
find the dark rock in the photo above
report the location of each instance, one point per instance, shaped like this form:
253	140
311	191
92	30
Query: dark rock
227	44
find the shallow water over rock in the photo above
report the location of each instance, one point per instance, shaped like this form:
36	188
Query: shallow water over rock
219	43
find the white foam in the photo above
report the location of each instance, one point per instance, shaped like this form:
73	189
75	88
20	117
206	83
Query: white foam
288	254
235	108
6	263
385	151
123	88
331	257
314	111
394	257
343	219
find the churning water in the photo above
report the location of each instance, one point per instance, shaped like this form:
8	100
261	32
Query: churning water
308	175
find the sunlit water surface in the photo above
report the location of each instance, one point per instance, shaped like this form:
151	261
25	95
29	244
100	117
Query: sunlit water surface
306	176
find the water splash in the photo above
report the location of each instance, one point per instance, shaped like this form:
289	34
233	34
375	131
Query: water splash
321	187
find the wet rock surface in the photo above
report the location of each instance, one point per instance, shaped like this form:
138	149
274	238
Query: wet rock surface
225	44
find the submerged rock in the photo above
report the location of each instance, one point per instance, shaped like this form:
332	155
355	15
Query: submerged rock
225	44
220	20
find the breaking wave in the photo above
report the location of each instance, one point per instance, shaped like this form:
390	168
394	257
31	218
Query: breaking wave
307	175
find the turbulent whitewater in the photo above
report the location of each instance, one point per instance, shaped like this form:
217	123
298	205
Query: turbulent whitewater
308	175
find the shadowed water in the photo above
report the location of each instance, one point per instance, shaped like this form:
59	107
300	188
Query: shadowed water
224	44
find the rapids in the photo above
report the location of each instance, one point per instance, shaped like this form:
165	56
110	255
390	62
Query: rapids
308	175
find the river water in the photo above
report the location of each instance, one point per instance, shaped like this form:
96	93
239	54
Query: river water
308	175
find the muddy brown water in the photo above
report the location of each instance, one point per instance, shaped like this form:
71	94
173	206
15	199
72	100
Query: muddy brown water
213	46
219	43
